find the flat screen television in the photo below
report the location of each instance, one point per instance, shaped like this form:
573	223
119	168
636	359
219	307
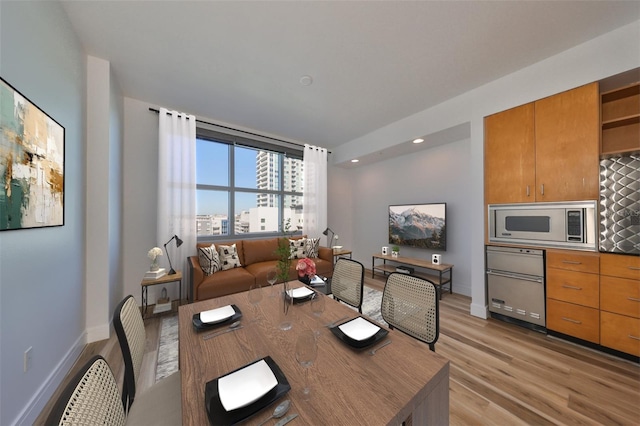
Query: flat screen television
418	225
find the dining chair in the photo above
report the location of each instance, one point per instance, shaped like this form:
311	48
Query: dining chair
347	282
90	398
410	304
161	404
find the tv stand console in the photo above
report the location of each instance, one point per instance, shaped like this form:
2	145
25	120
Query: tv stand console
441	275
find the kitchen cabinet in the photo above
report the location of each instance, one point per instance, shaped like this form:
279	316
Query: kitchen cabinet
509	146
573	294
567	145
621	121
547	150
620	303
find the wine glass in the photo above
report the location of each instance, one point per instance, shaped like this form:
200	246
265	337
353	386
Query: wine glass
255	296
317	307
306	354
272	277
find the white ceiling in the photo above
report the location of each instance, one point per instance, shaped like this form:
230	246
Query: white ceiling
372	62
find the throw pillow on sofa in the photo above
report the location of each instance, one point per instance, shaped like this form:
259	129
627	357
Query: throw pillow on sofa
312	245
209	259
298	248
228	257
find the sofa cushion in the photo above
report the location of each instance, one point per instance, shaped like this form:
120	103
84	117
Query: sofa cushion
312	247
209	259
298	248
224	282
256	251
229	257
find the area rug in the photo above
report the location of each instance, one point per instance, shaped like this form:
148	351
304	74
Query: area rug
168	347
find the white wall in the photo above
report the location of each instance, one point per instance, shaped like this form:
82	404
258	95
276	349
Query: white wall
42	290
140	198
439	174
610	54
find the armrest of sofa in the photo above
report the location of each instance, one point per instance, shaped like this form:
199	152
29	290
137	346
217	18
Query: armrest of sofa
196	275
325	253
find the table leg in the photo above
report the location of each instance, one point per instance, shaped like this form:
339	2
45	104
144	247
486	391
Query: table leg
145	301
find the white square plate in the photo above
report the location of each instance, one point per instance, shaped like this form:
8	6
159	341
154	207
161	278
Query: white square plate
359	329
216	315
246	385
300	292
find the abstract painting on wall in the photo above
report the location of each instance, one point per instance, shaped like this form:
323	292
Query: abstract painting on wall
31	164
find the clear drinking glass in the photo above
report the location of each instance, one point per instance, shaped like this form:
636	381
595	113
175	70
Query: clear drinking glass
272	277
255	297
306	354
317	307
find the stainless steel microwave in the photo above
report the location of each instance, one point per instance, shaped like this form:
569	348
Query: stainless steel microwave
564	225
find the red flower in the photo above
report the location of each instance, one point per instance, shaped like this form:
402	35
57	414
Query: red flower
307	267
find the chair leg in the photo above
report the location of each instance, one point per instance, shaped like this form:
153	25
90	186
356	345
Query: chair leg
432	346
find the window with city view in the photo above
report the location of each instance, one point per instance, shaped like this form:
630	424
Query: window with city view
245	188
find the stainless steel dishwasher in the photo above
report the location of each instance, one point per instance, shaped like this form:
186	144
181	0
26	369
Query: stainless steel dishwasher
516	285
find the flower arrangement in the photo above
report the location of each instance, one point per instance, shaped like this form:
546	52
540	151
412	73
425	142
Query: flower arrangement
306	267
154	252
153	255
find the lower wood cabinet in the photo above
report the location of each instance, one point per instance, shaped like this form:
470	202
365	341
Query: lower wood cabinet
574	287
573	294
620	332
620	303
574	320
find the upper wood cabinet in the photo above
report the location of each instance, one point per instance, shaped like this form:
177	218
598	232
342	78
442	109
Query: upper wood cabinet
509	157
547	150
567	145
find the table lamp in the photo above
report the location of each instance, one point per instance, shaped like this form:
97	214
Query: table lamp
178	244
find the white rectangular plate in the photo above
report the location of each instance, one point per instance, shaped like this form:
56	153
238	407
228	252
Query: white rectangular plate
359	329
246	385
216	315
300	292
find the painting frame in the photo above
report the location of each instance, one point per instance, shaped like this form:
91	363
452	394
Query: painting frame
32	164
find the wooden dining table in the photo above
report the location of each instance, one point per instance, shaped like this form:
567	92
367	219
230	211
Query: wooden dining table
403	381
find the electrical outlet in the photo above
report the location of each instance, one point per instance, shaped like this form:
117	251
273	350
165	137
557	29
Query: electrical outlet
28	358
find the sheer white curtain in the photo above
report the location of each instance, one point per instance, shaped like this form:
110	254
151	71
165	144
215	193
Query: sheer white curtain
315	191
177	186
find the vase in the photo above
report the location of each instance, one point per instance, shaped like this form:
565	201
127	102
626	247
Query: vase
154	265
394	254
285	303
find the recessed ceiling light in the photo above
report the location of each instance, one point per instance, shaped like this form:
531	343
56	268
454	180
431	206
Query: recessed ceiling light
306	80
418	140
355	160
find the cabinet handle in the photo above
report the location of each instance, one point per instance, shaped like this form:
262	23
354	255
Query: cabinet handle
542	189
633	268
528	191
571	287
633	299
634	337
572	320
572	262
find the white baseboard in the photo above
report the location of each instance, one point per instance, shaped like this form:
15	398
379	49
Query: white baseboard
479	311
101	332
35	405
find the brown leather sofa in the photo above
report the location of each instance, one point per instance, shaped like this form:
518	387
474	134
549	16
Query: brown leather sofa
257	257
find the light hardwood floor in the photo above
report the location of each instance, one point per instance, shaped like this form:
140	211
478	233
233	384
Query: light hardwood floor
501	374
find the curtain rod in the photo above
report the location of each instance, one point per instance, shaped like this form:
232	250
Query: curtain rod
297	145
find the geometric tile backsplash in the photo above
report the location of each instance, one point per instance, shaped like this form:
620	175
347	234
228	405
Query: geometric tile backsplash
620	204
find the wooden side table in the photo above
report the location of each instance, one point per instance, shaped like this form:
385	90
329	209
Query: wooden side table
145	284
340	253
